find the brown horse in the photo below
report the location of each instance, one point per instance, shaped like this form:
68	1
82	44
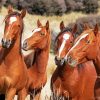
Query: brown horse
13	71
40	42
76	82
87	47
2	96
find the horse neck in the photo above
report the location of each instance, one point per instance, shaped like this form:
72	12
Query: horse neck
66	71
14	52
41	59
97	59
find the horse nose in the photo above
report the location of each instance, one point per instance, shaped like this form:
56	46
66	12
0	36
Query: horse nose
57	58
69	59
6	43
59	61
25	45
2	41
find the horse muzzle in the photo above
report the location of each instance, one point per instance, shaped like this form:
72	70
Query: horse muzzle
59	61
6	43
25	46
72	62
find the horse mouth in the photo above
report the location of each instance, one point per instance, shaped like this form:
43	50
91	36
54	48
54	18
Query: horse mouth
25	48
73	63
6	44
59	62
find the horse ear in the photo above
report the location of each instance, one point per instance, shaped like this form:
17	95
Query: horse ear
96	29
23	13
86	26
39	23
62	26
47	25
10	9
74	29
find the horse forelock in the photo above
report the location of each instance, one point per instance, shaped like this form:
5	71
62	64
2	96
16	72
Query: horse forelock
10	15
67	29
36	30
12	18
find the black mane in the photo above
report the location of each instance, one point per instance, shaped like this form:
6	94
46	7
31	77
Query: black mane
14	14
11	14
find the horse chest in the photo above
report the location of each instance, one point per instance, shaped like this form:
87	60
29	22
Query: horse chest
97	65
71	82
36	80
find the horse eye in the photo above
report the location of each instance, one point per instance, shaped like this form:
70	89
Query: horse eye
6	23
87	41
71	42
42	33
18	25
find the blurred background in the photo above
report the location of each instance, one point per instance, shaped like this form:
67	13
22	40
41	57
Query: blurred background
69	11
54	7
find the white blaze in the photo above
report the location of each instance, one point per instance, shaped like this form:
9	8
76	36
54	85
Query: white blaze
36	30
76	44
12	19
65	38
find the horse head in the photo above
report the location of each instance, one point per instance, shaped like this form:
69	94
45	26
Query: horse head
85	47
13	26
63	42
39	39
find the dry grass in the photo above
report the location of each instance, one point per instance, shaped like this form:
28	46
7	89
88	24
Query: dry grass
31	23
54	20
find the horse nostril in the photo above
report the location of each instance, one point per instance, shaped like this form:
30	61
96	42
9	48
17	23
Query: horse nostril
69	59
59	61
2	41
57	58
25	44
62	60
8	41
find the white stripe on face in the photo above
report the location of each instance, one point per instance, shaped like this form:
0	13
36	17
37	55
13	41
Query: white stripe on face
36	30
85	35
65	38
12	19
32	32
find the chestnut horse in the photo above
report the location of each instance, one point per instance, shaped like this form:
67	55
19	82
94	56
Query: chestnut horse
76	82
13	71
87	47
40	42
2	96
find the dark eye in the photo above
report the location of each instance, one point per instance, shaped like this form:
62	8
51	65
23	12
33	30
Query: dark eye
18	25
71	42
42	33
6	23
88	41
